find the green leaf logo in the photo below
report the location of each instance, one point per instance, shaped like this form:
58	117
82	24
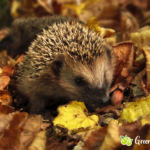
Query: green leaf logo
125	140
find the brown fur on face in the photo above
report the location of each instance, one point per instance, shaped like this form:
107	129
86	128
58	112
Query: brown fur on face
97	78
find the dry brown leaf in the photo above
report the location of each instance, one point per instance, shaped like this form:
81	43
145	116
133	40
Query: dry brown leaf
81	136
139	76
124	52
125	83
6	114
20	58
112	139
4	122
30	128
140	84
5	97
54	145
95	140
105	138
143	86
57	7
125	78
141	4
4	81
110	17
126	72
125	57
11	136
39	142
8	71
45	125
129	24
130	129
5	109
28	8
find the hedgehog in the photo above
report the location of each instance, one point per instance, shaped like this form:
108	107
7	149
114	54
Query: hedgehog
24	31
66	61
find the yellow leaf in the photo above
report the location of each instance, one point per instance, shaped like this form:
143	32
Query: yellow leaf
94	25
139	60
145	120
112	139
80	7
141	38
77	8
135	110
14	7
73	116
146	50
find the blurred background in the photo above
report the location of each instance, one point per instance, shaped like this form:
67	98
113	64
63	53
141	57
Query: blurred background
124	16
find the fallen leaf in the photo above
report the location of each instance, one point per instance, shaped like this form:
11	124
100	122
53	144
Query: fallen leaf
5	97
130	129
129	24
54	145
15	6
11	135
8	71
80	8
4	81
125	56
146	50
106	138
6	115
145	120
136	110
30	127
94	25
95	139
5	109
112	139
140	86
77	8
39	142
73	117
20	58
140	39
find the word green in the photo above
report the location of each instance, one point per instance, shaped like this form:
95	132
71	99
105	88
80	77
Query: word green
125	140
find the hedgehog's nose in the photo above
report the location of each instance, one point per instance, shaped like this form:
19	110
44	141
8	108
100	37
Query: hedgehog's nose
105	99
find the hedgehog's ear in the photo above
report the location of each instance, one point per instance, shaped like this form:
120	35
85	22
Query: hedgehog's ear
57	64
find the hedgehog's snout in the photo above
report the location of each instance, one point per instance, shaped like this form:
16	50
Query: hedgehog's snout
105	99
98	96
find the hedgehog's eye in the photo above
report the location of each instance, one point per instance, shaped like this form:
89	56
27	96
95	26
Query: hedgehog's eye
79	81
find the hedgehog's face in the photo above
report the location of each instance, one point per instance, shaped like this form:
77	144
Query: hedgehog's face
83	82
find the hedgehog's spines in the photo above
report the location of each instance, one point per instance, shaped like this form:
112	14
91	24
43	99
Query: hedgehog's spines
78	41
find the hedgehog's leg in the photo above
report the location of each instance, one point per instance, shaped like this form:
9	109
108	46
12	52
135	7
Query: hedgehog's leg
16	43
4	43
38	103
9	43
